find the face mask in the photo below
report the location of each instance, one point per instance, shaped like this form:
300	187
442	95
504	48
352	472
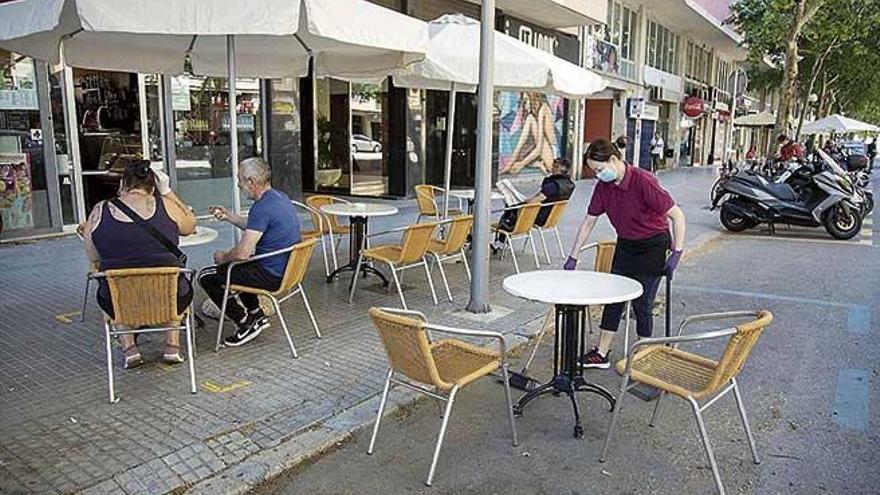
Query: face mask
606	175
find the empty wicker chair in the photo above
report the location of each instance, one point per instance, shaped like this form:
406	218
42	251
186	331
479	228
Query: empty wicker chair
145	301
557	209
437	369
602	264
525	220
659	363
410	253
426	199
452	246
291	285
330	224
318	232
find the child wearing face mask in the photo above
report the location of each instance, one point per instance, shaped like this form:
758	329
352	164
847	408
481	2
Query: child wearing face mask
640	210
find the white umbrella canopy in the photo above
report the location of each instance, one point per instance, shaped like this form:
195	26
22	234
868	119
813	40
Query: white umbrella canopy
761	119
453	58
348	39
838	123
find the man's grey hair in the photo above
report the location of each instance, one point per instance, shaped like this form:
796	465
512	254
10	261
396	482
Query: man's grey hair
257	169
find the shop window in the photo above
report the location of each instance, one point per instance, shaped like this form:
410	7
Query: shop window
334	146
24	200
202	137
369	140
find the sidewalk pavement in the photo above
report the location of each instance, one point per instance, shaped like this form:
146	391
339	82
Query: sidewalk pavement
258	411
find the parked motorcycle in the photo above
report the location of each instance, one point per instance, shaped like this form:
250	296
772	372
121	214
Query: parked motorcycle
829	199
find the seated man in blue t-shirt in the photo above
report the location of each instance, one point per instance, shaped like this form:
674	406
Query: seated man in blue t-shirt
271	225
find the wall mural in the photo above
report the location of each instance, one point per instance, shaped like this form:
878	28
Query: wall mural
15	191
530	133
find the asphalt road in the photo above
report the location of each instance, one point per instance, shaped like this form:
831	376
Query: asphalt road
810	388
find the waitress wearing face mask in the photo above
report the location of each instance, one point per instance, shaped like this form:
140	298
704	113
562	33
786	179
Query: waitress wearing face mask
640	210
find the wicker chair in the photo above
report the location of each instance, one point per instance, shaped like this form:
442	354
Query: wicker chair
557	209
452	246
329	224
525	221
602	264
410	253
426	199
291	285
659	363
437	369
145	301
318	232
93	268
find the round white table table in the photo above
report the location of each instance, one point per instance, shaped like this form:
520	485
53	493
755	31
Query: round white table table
202	235
571	292
358	214
468	194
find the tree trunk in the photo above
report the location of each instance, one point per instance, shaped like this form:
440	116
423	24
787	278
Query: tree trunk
802	12
805	101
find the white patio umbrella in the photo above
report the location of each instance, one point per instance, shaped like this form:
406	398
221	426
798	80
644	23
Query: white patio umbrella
346	39
838	123
452	63
761	119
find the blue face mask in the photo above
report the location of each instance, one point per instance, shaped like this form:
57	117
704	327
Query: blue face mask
606	175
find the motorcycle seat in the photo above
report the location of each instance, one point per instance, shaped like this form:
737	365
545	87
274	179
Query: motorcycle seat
782	191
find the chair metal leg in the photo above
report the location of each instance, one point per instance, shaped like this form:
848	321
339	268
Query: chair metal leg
357	271
512	253
284	326
430	280
397	284
464	260
704	435
109	349
381	411
442	434
302	292
222	318
544	243
509	403
190	356
443	276
534	250
628	310
82	314
656	412
617	408
333	251
559	242
745	421
324	257
589	320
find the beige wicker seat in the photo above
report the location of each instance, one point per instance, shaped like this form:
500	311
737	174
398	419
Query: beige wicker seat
291	285
452	246
522	229
145	301
659	363
330	225
557	209
93	268
410	253
602	264
426	199
437	369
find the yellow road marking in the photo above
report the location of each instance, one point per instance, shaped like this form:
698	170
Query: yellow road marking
66	317
222	389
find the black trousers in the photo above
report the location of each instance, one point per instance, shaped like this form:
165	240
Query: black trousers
213	278
642	260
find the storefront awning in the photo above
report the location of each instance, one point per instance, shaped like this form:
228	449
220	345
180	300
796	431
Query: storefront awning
553	13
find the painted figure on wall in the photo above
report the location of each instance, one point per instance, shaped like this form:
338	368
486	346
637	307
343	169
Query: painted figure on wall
531	131
15	191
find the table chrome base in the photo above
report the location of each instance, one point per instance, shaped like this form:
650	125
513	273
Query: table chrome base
365	269
568	377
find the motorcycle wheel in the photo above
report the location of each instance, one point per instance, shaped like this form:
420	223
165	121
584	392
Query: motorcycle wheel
869	204
732	221
842	223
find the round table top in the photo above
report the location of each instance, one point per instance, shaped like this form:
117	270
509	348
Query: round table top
579	288
359	209
202	235
469	194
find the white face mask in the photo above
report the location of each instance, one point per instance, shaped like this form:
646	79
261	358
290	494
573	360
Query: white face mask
607	174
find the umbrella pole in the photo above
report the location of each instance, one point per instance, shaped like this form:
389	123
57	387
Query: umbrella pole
233	127
479	302
450	125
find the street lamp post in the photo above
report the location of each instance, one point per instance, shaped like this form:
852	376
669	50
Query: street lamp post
479	301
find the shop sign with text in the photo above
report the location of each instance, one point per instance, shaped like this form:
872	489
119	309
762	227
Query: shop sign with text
562	45
692	107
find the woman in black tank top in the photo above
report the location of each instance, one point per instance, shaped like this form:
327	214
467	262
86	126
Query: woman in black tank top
115	242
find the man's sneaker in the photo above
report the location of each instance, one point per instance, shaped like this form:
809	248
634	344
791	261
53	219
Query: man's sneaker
594	359
247	331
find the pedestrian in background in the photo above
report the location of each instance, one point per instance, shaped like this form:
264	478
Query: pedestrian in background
639	209
657	149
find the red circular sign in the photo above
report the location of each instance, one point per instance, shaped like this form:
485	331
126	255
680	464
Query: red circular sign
692	106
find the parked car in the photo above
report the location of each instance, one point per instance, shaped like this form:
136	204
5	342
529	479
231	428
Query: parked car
359	142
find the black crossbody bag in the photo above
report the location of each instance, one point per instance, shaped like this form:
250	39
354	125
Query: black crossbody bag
170	246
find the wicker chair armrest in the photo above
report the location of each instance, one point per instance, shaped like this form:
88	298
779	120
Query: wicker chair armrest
674	341
587	247
189	272
511	208
714	317
406	312
502	347
314	211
